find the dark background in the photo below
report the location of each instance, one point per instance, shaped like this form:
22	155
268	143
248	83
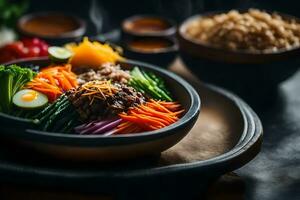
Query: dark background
275	172
113	11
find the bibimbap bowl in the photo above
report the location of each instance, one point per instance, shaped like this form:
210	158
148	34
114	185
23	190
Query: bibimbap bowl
113	147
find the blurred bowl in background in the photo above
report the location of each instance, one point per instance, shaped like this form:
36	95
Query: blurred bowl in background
54	27
148	25
160	51
252	75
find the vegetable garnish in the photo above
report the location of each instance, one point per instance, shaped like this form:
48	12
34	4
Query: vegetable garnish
92	54
151	116
149	84
97	89
53	81
12	79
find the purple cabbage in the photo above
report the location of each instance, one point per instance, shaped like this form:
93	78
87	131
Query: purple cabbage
105	127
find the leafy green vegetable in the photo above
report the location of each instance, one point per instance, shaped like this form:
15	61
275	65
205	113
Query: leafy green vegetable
12	79
149	84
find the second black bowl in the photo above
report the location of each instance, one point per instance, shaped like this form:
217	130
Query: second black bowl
254	76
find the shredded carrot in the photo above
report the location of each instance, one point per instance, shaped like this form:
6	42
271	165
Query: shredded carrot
97	89
54	80
150	116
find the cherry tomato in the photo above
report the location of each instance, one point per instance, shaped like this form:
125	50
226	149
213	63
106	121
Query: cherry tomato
32	51
17	48
6	56
35	42
31	42
25	48
44	50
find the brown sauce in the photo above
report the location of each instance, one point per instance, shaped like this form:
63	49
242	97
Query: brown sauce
146	25
149	45
50	25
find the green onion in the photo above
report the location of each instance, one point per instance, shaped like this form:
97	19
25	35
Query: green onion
149	84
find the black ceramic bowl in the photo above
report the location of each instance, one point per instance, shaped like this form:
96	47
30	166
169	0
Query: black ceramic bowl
65	37
109	148
162	57
252	75
224	117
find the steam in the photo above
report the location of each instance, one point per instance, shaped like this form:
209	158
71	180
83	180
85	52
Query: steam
96	16
180	9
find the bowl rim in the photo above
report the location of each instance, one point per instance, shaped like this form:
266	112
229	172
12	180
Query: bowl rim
167	32
172	48
78	32
124	139
185	23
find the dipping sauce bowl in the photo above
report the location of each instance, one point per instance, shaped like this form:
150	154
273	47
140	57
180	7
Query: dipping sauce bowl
148	25
160	51
54	27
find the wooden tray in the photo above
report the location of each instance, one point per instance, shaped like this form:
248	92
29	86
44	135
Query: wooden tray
226	136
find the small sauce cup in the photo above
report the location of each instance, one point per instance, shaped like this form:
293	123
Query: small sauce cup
160	51
148	25
54	27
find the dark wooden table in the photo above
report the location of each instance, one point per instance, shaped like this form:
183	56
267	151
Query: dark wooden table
275	173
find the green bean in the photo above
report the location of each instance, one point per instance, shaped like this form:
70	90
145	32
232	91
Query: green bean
53	110
68	127
60	124
48	109
59	111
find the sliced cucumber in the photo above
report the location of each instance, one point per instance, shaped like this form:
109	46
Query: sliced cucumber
29	99
59	54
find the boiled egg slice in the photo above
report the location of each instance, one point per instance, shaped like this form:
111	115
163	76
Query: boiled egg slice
29	99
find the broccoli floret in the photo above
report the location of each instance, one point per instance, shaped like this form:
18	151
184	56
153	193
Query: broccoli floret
12	79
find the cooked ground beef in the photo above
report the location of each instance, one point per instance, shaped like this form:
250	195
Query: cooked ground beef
124	98
107	72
